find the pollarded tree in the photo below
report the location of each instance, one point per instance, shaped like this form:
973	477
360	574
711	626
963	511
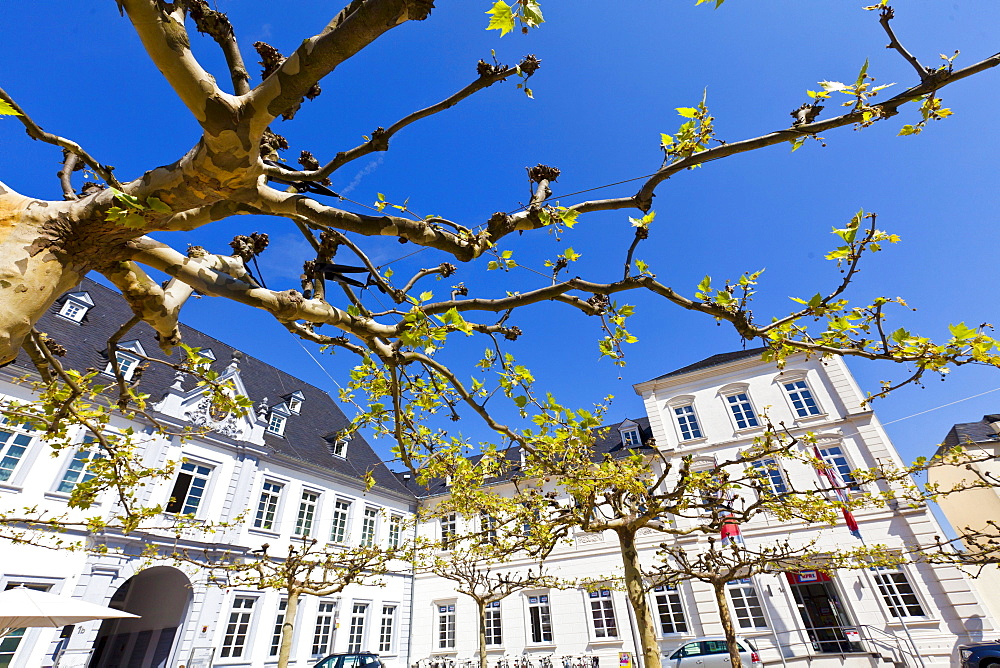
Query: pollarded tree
233	168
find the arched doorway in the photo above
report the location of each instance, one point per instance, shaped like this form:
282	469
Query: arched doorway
160	595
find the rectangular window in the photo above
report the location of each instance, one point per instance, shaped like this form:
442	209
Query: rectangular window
746	604
835	457
189	489
126	365
488	528
73	310
669	610
338	448
276	424
10	642
341	511
743	413
386	630
494	628
446	626
772	476
395	530
12	447
357	633
324	628
368	524
279	622
267	507
801	397
77	471
307	513
541	620
449	527
631	438
238	627
603	613
898	593
687	422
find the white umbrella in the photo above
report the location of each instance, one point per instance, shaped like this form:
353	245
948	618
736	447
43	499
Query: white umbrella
21	607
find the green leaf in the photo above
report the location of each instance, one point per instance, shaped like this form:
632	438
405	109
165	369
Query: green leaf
687	112
531	13
502	18
157	205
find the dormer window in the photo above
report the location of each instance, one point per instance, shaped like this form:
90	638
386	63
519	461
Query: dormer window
76	306
277	418
207	353
630	434
276	423
294	402
127	362
338	447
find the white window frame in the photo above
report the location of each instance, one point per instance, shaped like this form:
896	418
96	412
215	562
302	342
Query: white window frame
387	629
307	514
239	623
294	402
891	598
345	526
602	617
279	623
194	473
631	437
358	629
12	471
83	453
338	447
542	601
395	537
75	306
127	363
449	530
673	608
276	423
369	526
325	628
260	514
445	625
772	474
680	402
799	376
826	444
733	391
743	586
493	622
29	634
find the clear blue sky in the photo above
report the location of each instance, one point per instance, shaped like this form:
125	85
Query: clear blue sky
612	75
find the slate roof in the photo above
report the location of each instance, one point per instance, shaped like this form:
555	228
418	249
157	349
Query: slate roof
303	438
610	444
714	360
977	432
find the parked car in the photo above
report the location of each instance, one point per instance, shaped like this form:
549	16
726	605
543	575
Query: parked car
711	652
980	655
350	660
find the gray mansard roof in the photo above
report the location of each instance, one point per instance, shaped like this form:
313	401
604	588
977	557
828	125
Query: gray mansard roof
610	443
714	360
975	432
303	440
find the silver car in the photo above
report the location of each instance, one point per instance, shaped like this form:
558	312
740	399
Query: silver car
711	652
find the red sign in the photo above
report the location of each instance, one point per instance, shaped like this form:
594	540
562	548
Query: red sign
806	577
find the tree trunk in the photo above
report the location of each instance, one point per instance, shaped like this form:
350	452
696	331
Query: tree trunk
636	591
481	609
727	623
288	628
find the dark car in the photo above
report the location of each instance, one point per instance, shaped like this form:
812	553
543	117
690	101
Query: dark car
350	660
980	655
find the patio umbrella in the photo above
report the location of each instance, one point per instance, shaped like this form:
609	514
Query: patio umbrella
21	607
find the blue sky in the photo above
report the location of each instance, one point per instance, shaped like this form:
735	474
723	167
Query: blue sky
612	75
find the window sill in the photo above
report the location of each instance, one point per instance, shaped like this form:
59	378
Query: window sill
606	641
692	441
540	645
922	622
7	487
808	419
264	532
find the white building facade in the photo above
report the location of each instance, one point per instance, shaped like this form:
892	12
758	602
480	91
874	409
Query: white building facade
712	410
284	469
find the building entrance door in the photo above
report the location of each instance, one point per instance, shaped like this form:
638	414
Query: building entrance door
819	606
160	595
